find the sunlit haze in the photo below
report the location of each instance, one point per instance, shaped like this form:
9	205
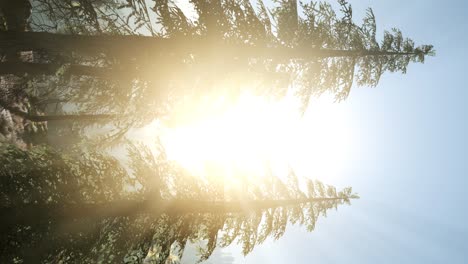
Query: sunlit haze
255	132
233	132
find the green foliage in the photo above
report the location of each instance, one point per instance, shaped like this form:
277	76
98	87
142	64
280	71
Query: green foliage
43	176
307	48
78	16
313	52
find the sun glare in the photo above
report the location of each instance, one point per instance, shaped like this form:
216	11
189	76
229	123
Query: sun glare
254	132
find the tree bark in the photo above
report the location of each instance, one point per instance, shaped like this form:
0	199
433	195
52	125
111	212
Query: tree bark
44	118
31	212
19	68
110	73
143	46
25	41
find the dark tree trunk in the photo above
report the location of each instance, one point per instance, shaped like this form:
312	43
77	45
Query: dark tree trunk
15	13
142	47
111	73
51	118
118	45
19	68
29	213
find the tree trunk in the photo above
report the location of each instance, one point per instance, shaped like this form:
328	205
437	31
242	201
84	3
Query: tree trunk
46	118
20	68
142	47
117	45
110	73
29	213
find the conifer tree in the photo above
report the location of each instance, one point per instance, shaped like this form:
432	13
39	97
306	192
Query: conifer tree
90	208
312	51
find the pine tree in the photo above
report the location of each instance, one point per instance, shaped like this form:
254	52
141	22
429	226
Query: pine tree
50	195
316	50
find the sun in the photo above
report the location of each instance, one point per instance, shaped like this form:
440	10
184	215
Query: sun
254	132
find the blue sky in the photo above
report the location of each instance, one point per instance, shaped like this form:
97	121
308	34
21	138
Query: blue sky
411	165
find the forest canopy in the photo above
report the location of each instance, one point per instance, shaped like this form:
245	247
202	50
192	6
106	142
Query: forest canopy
78	76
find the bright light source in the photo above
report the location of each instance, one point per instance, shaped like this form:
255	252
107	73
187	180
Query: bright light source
255	131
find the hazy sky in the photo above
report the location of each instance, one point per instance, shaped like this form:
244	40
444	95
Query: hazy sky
410	166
